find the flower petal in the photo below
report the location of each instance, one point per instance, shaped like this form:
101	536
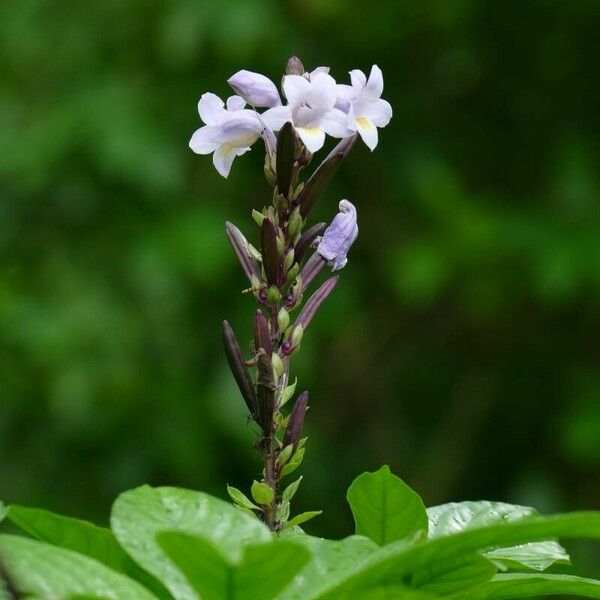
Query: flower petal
345	95
295	88
223	159
235	103
312	137
323	91
380	113
367	131
205	140
358	79
374	87
211	109
240	130
274	118
335	124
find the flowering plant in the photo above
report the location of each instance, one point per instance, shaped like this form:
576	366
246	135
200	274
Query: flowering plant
178	544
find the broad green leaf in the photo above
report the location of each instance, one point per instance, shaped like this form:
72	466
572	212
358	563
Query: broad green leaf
385	508
47	571
331	561
536	555
455	575
523	585
262	493
240	498
138	515
458	516
394	563
262	571
72	534
302	518
83	537
3	511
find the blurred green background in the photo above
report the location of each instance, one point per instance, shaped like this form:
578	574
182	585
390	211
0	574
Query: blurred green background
461	346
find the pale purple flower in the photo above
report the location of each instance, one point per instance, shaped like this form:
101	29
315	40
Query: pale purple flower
256	89
339	236
229	132
310	109
362	101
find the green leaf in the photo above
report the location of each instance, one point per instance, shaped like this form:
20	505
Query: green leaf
394	563
302	518
291	490
241	499
294	463
83	537
3	511
262	493
454	575
288	392
47	571
536	555
385	508
262	571
331	561
523	585
138	515
450	518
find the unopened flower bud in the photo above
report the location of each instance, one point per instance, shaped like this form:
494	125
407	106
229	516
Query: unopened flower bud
238	368
294	223
278	366
283	319
262	335
257	216
292	274
255	89
242	250
294	66
280	242
297	335
273	295
288	261
314	302
294	428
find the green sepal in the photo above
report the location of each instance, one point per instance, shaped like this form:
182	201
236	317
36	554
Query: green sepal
294	462
291	489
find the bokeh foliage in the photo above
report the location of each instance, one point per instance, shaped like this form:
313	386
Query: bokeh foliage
461	345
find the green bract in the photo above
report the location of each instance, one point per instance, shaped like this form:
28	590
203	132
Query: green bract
176	544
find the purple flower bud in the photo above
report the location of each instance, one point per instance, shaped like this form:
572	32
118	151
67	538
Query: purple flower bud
262	335
255	89
314	302
265	392
240	247
270	254
294	66
339	236
294	428
238	368
311	269
307	238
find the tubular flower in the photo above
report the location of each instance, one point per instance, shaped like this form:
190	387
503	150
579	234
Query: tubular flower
229	132
339	236
364	105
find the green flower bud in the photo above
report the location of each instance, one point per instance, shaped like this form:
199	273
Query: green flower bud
297	335
288	261
294	222
258	217
273	295
283	319
278	366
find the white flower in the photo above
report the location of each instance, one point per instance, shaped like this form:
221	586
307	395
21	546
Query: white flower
255	89
310	108
229	132
362	101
